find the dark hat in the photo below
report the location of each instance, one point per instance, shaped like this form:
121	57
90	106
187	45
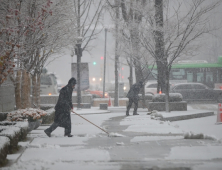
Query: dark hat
72	81
141	83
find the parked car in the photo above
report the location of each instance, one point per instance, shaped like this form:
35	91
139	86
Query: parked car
151	88
48	84
197	92
97	94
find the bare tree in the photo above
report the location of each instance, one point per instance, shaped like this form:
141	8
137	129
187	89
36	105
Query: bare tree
128	36
88	14
181	31
57	34
38	27
14	25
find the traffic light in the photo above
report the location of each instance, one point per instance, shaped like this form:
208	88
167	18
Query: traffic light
101	58
94	63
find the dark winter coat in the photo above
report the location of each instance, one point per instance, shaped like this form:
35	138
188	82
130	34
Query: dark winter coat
134	91
64	105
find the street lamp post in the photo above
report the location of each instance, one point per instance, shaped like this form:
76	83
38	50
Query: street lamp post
78	51
104	71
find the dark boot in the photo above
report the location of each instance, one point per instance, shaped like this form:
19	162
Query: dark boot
135	113
69	135
47	133
127	113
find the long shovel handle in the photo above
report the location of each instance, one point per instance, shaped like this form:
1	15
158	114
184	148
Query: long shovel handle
90	122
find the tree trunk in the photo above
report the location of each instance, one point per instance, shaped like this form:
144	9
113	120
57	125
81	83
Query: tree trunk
159	74
131	73
167	104
143	97
34	90
28	89
38	90
18	90
25	90
159	46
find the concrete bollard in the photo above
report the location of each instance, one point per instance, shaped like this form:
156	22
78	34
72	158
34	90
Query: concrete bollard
103	106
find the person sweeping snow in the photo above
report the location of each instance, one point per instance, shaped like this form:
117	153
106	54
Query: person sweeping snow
134	97
63	109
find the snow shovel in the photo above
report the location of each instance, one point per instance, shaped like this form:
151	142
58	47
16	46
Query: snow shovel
91	122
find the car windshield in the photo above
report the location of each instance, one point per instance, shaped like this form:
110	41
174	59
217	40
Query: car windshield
183	86
199	87
46	80
152	86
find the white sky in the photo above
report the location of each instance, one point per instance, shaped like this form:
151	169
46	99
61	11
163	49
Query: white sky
62	65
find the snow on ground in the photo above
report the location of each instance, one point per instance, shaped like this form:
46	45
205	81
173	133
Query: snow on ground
89	111
112	134
179	113
144	123
60	165
205	125
154	138
195	153
61	141
59	152
208	165
64	154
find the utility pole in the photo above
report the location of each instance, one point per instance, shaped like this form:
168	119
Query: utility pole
78	51
116	96
104	71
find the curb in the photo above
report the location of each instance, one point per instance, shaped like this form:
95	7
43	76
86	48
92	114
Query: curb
185	117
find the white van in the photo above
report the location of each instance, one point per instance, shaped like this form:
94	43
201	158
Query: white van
151	88
48	84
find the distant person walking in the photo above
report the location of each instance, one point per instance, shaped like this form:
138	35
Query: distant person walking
63	109
134	97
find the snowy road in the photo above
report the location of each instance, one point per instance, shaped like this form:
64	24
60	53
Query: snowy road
146	144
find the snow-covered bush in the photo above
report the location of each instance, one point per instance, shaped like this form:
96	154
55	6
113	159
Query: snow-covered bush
173	97
29	114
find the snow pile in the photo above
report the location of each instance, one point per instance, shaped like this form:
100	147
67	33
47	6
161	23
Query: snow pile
119	143
191	135
154	138
112	134
29	114
44	145
145	124
156	115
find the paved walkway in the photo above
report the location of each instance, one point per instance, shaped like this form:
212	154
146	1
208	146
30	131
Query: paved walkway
138	142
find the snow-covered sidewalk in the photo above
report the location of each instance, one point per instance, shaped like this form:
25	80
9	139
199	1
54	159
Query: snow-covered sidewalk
90	148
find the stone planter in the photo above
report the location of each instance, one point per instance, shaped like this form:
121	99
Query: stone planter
161	106
34	125
38	123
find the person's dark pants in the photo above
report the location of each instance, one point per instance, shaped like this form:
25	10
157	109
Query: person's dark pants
131	101
67	126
